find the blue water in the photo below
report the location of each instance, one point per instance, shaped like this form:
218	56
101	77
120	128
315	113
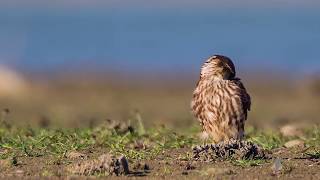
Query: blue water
162	39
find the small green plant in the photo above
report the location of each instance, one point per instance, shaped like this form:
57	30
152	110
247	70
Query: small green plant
141	129
267	140
185	157
248	162
313	154
313	136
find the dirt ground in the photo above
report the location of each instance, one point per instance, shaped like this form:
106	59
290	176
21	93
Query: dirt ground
174	164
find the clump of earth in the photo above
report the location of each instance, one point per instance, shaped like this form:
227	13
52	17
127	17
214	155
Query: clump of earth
232	149
106	164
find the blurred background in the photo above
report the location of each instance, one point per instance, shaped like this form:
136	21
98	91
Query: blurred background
77	63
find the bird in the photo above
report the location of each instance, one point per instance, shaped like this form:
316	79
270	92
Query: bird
220	101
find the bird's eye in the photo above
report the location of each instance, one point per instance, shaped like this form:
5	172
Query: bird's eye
208	61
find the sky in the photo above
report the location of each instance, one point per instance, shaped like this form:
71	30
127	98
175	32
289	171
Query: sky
143	35
154	3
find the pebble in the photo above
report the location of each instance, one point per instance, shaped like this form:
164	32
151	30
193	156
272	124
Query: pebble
294	143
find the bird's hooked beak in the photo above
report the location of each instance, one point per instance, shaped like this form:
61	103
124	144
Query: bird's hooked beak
232	73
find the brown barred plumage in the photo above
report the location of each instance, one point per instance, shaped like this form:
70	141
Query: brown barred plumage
220	101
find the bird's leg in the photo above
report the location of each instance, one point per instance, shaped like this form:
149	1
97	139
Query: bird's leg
204	136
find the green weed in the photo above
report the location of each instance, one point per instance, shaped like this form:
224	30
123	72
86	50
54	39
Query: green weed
313	154
313	136
267	140
248	162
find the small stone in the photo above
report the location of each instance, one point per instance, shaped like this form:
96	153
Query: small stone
277	166
291	131
146	167
185	173
124	164
14	161
294	143
19	172
5	163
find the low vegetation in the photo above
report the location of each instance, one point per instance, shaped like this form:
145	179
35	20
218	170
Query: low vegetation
135	142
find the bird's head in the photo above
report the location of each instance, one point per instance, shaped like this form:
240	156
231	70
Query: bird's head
218	67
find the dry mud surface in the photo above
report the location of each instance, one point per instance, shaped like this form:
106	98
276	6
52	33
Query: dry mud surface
173	164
